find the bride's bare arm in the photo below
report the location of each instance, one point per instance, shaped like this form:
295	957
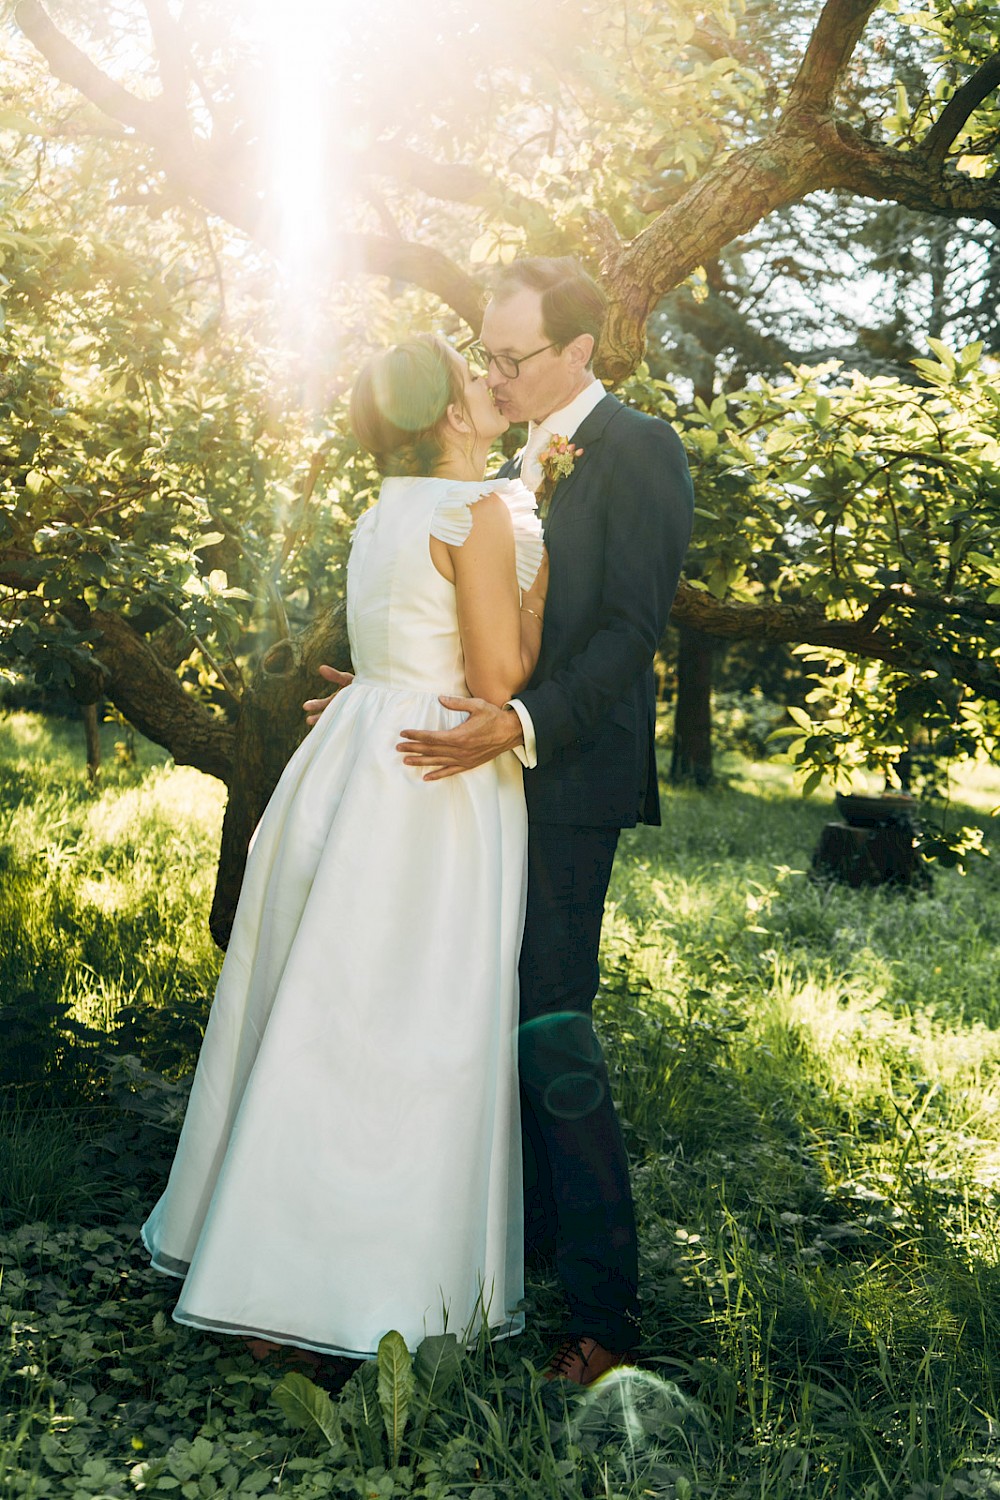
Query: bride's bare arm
500	638
532	614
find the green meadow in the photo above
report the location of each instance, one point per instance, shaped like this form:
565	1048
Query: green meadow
808	1078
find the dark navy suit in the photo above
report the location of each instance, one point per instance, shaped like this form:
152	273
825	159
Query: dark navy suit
616	530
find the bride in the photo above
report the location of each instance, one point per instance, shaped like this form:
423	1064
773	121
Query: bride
350	1157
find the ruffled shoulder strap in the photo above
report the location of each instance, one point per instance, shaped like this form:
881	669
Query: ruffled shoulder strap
363	523
452	521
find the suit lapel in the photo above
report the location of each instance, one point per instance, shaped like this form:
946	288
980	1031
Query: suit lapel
589	433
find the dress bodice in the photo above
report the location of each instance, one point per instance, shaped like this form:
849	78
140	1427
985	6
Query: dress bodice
402	615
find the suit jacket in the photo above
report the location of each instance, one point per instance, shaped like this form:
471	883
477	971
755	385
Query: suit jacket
617	530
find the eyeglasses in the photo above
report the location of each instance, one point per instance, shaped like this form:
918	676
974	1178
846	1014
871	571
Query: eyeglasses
508	365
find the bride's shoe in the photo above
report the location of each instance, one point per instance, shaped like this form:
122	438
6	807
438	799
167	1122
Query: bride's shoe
285	1354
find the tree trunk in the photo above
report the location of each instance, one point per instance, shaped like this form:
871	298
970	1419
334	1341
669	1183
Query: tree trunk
270	726
692	752
92	734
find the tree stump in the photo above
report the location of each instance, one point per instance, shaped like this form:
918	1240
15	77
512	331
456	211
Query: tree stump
876	846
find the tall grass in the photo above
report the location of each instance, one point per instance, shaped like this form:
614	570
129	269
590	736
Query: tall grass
808	1078
103	892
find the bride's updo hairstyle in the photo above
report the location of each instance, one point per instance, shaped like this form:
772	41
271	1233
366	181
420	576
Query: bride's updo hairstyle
399	402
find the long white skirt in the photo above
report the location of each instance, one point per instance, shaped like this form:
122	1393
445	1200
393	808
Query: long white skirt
350	1159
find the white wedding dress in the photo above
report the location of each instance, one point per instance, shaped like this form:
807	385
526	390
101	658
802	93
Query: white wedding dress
350	1158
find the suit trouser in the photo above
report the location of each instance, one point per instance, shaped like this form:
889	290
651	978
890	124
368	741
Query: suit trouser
577	1189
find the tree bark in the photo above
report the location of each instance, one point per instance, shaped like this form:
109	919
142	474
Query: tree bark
868	635
150	695
691	760
92	737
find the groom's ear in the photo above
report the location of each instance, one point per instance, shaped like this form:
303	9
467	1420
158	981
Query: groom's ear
581	350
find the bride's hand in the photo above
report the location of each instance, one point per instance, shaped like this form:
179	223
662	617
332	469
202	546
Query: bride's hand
315	706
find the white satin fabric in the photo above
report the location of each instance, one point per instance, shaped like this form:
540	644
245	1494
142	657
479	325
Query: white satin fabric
350	1158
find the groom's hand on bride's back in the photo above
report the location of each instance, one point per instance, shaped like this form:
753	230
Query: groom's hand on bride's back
486	733
315	706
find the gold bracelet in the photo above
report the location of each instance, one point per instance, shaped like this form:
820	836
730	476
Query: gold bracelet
534	612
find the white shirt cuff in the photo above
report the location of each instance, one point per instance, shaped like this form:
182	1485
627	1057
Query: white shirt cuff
527	753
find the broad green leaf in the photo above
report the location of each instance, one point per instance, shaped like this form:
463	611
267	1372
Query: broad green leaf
368	1391
939	374
395	1387
943	353
306	1405
436	1364
485	248
12	119
779	440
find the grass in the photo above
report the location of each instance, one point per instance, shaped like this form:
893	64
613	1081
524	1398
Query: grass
808	1078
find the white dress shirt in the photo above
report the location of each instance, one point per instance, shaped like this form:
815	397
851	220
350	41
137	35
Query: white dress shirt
561	423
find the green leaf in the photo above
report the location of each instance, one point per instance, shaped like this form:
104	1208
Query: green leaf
395	1387
305	1405
779	440
970	356
12	119
436	1364
484	249
943	353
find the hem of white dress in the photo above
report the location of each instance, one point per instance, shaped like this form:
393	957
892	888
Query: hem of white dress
179	1269
159	1260
497	1332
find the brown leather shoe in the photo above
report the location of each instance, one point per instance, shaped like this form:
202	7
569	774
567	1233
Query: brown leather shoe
582	1360
284	1356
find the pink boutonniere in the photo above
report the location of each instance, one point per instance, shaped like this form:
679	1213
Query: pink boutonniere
558	460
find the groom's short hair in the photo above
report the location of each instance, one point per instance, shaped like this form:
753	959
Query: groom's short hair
572	301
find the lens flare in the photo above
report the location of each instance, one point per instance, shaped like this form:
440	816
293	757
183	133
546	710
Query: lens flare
301	122
561	1060
646	1419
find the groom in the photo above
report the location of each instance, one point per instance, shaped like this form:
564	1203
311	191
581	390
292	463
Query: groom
616	530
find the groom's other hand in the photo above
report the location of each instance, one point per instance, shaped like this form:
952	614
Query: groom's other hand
315	706
486	733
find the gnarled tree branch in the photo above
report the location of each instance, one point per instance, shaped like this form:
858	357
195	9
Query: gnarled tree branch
808	624
455	182
71	65
149	694
421	265
935	144
208	176
172	55
804	154
829	50
905	177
